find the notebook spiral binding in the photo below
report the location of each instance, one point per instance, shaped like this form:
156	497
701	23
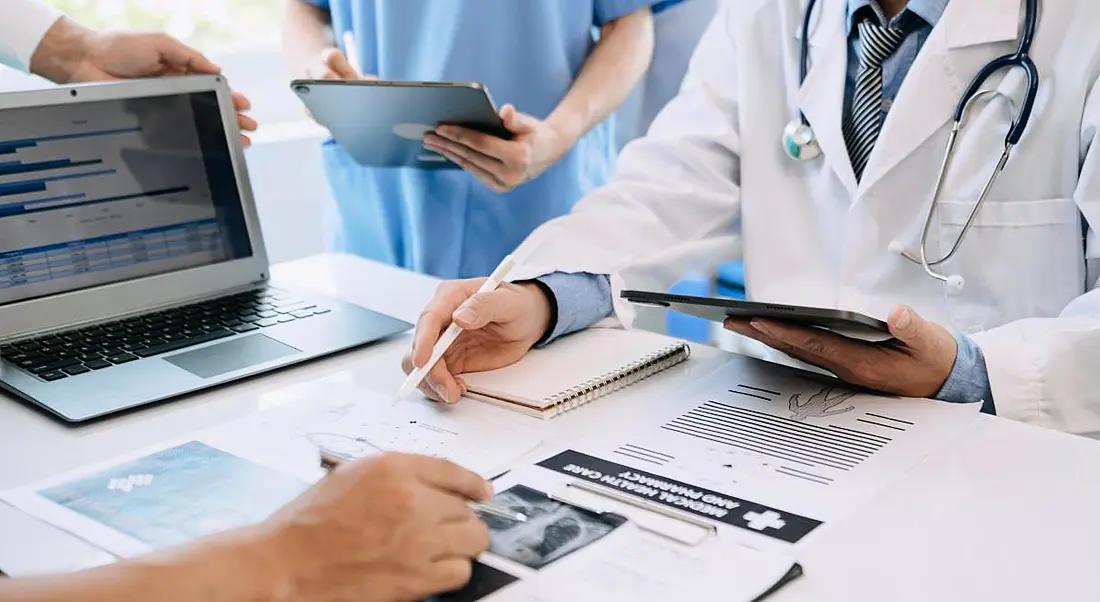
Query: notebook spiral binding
607	384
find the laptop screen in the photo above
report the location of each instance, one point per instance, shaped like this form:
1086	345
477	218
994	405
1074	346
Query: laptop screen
100	192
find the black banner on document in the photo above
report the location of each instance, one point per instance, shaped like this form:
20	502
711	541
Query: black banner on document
718	507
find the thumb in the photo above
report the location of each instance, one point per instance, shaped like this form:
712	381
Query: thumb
907	326
516	122
177	55
481	310
337	62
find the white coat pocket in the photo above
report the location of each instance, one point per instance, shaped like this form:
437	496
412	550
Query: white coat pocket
1020	259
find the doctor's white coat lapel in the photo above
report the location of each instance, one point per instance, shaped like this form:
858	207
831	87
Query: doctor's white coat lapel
821	96
965	40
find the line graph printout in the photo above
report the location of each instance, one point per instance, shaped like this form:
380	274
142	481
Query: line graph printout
788	440
354	422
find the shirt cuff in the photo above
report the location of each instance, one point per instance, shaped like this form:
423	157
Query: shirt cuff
581	300
969	379
23	24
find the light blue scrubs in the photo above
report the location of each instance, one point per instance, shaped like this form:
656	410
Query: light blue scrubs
528	53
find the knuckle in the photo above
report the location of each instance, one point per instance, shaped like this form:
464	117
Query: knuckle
480	536
816	347
457	574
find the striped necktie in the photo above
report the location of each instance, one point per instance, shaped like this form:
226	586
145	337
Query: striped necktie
863	124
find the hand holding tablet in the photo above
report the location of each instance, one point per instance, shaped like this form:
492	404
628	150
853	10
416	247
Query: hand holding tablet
382	123
847	323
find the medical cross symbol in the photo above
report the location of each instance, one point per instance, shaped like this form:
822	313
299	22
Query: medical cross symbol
767	520
131	482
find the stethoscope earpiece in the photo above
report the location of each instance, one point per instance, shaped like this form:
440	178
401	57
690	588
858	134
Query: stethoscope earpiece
955	283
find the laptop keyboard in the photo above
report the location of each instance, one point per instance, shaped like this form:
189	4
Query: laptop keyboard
57	356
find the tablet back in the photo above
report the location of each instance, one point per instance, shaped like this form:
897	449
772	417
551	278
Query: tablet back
382	123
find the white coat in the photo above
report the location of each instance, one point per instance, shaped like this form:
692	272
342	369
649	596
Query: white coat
711	180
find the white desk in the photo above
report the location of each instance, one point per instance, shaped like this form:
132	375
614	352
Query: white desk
1010	513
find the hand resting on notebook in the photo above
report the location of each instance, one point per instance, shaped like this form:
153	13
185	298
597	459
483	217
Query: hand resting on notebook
501	327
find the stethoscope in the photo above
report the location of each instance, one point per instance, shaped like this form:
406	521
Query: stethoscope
801	144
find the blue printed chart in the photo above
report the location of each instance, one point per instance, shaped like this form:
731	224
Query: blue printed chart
177	495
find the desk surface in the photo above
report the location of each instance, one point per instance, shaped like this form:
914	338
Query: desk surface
1007	513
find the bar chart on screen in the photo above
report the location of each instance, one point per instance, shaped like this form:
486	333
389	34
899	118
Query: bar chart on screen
105	189
790	441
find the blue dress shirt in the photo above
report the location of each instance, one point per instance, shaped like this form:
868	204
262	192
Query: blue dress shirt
583	299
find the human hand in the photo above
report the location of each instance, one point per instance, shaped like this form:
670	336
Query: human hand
70	53
916	364
386	529
499	328
500	164
332	63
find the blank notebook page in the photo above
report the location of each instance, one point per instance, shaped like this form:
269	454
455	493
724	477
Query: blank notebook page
567	363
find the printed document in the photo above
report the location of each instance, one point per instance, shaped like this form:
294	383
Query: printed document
792	451
576	546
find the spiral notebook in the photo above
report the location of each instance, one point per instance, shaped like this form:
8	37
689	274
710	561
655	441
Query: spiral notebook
575	370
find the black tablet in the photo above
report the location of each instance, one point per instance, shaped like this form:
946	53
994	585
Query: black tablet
382	123
848	323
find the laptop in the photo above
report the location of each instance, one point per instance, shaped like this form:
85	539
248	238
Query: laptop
132	266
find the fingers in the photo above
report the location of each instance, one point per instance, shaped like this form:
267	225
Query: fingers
462	539
336	62
437	315
486	168
177	55
447	509
449	477
241	102
483	309
907	326
486	178
247	123
481	142
516	122
441	384
449	575
796	342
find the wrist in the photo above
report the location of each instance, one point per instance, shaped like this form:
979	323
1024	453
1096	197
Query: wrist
548	303
62	51
272	554
568	128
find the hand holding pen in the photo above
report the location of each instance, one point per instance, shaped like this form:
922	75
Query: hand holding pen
498	326
331	461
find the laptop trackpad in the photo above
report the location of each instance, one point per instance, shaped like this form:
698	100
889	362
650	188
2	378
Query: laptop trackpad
231	356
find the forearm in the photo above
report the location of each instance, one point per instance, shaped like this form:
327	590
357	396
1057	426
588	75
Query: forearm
228	568
612	70
306	32
62	50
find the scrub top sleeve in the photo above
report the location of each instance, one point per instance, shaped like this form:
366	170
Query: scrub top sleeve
607	11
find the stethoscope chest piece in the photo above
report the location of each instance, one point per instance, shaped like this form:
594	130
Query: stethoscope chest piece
799	141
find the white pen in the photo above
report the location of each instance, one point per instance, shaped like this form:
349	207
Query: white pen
416	376
352	51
